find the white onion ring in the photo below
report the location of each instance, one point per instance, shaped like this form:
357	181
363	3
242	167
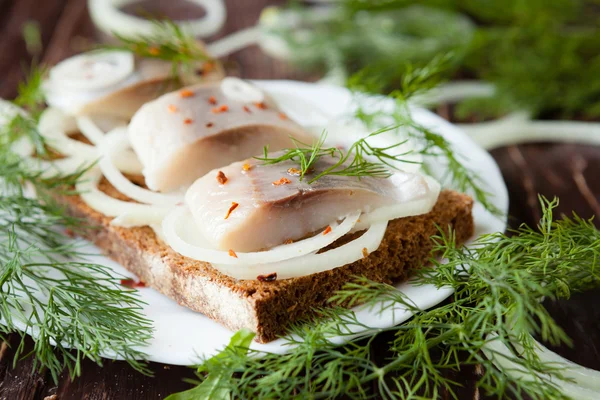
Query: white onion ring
181	217
313	263
452	92
231	43
90	130
107	17
116	140
111	207
54	125
127	161
402	210
93	70
515	129
586	387
237	89
583	376
152	218
60	167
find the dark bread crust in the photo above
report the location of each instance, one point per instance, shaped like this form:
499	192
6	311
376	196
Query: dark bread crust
267	308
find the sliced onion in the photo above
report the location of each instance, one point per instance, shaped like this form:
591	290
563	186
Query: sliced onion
54	126
54	120
88	190
8	111
152	218
402	210
90	130
116	140
313	263
127	161
61	167
455	91
231	43
237	89
501	356
517	128
93	70
108	17
180	231
583	376
73	101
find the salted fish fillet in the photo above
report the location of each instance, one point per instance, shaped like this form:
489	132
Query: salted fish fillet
275	206
185	134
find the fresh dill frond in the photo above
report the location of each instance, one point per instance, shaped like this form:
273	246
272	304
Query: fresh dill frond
356	161
74	309
30	95
403	81
168	42
499	283
435	148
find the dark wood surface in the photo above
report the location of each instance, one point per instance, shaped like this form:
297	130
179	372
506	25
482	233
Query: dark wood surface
567	171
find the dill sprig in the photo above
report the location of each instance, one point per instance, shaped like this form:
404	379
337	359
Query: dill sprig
30	91
352	162
499	283
47	288
434	147
168	42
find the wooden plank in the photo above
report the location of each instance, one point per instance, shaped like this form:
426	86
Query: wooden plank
15	57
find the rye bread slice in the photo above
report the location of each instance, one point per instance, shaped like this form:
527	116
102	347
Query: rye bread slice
267	308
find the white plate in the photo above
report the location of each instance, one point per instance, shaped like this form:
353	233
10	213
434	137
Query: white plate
181	336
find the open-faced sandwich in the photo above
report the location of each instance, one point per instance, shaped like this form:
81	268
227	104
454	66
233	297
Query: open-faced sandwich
184	196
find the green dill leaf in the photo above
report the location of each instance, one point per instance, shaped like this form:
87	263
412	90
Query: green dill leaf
32	37
352	162
30	94
213	387
168	42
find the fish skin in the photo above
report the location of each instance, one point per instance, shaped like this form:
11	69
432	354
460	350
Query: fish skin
267	215
180	138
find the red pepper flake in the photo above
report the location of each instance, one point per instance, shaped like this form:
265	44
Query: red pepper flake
288	241
267	278
209	125
246	167
154	51
221	178
232	253
172	109
188	121
69	233
282	181
221	109
365	252
283	116
208	67
234	205
212	100
294	171
327	230
186	93
247	109
261	105
130	283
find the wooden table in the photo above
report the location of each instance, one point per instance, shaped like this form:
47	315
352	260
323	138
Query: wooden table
567	171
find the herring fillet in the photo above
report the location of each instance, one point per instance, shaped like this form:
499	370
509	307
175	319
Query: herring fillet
269	213
180	138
